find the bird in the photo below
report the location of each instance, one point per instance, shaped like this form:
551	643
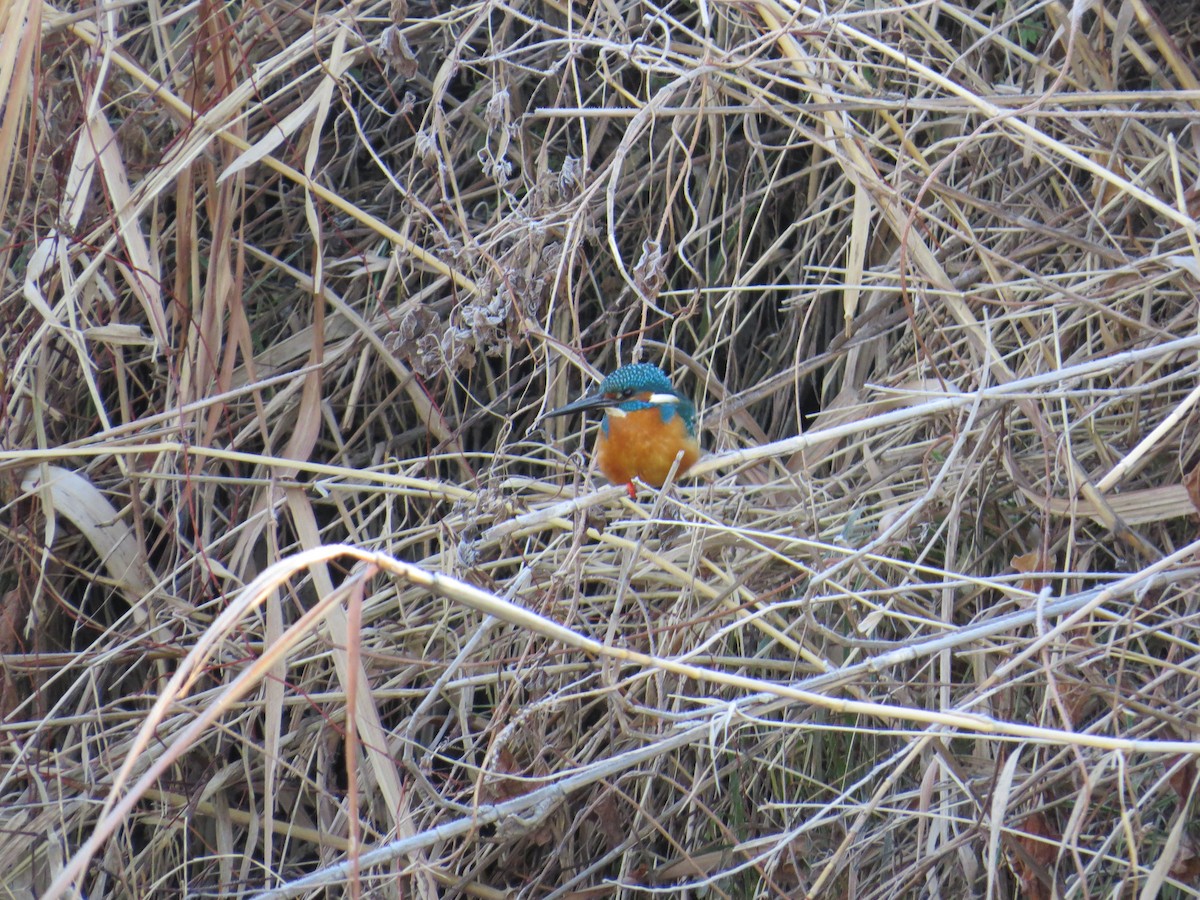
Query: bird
647	423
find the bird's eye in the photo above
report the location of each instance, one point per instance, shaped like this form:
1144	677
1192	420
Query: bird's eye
628	392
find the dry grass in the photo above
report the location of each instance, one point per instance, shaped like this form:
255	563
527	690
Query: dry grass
296	595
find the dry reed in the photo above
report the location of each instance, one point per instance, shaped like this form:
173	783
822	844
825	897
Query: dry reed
299	600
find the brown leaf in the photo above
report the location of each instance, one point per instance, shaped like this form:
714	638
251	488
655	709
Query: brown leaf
1038	826
1033	561
1037	854
1104	191
398	53
14	609
1191	481
1181	780
503	788
609	817
1186	865
650	271
1077	696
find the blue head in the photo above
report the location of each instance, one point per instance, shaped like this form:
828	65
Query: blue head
632	388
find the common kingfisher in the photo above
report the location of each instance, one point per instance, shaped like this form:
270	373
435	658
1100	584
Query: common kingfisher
646	425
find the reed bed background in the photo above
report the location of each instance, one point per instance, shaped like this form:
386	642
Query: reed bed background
300	599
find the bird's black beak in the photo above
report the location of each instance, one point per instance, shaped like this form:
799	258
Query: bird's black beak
590	401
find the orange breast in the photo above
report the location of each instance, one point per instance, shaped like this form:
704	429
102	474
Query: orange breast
641	444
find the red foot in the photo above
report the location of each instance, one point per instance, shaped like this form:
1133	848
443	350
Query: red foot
632	491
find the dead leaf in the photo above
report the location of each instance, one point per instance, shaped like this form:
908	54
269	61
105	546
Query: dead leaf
71	496
1186	865
1182	779
1037	841
1026	563
1191	481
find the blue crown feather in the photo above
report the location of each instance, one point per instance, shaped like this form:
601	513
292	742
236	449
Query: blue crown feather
640	378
